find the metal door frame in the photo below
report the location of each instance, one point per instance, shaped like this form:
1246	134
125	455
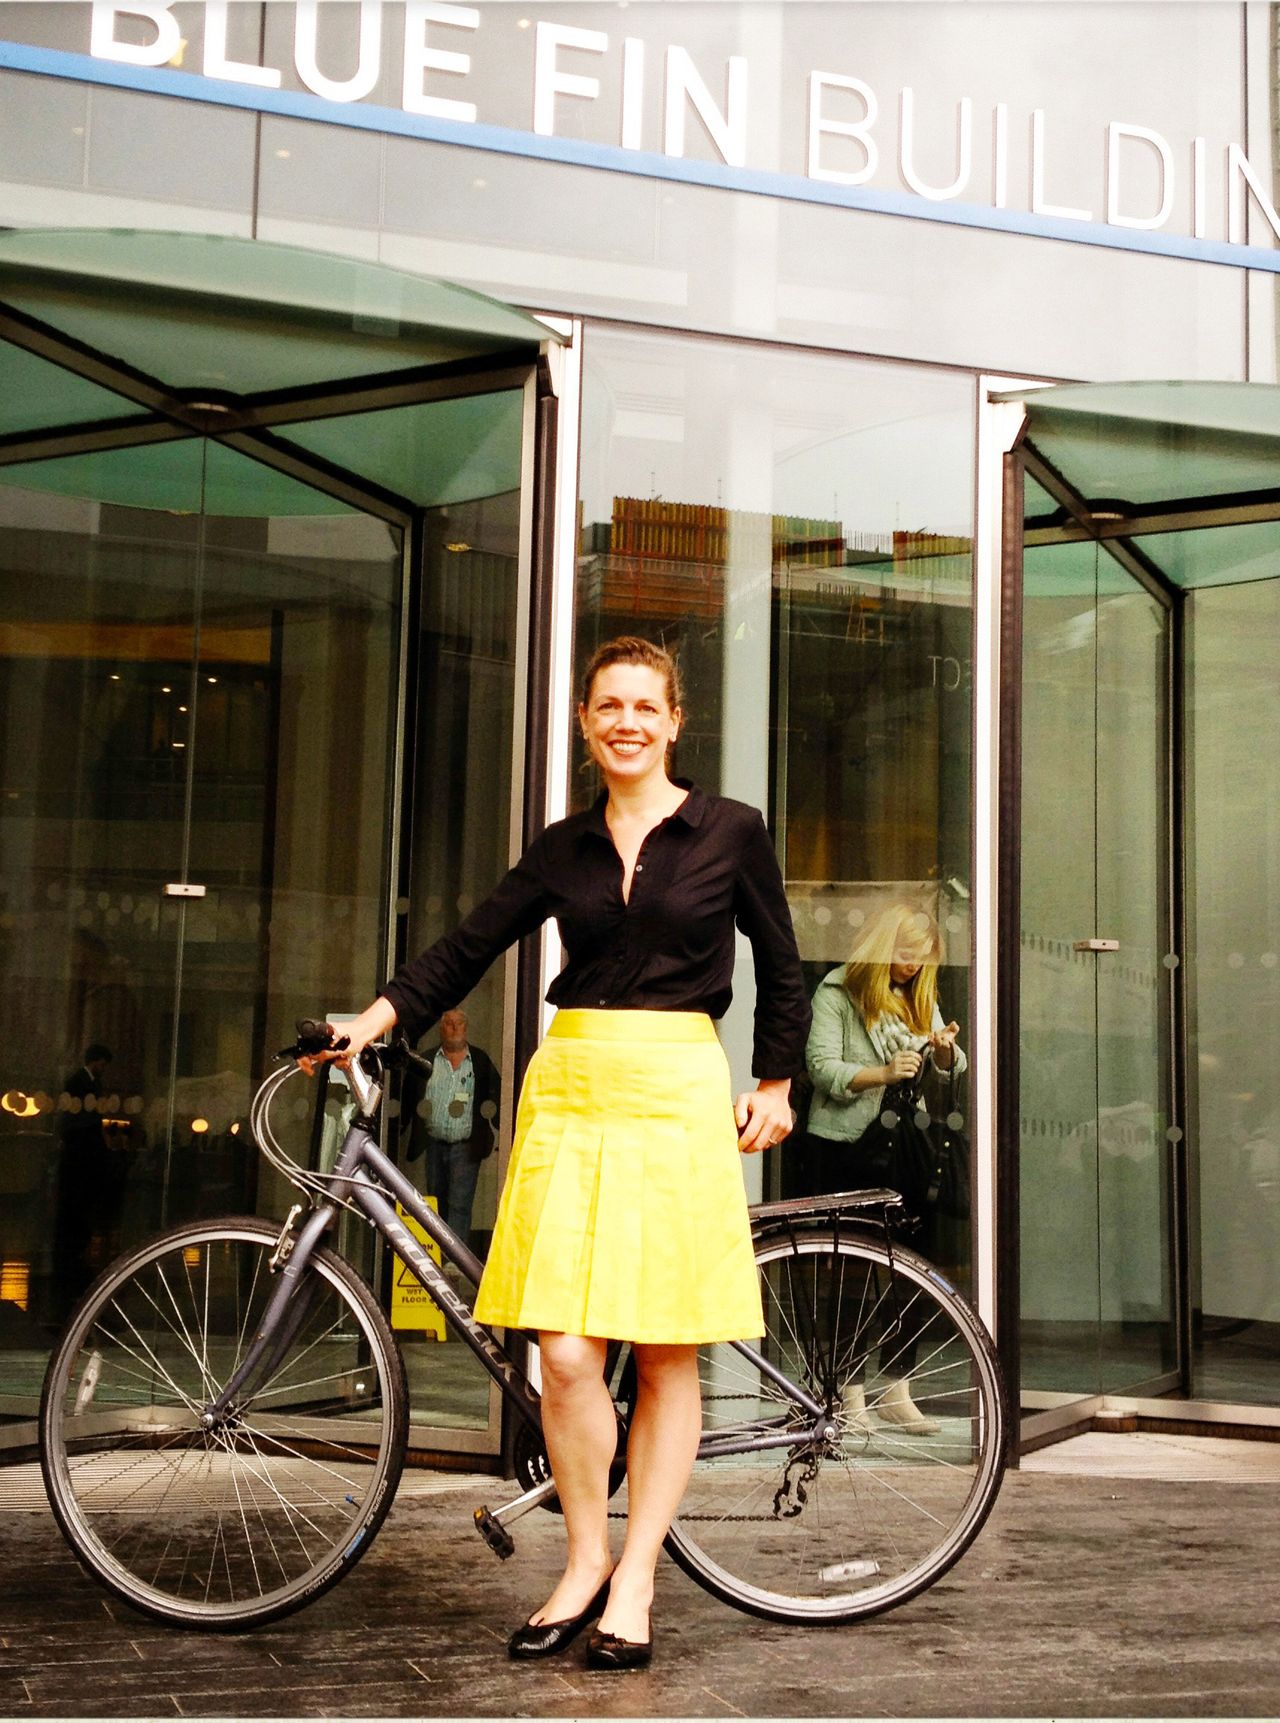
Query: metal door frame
1004	459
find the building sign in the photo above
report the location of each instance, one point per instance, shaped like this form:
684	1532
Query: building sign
631	105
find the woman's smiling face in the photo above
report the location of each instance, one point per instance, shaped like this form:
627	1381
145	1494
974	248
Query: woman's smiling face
627	722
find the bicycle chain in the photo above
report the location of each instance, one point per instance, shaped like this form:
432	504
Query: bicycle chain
782	1493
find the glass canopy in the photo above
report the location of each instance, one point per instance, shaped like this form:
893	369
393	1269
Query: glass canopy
120	351
1185	474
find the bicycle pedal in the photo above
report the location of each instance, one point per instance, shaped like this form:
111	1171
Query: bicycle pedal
498	1538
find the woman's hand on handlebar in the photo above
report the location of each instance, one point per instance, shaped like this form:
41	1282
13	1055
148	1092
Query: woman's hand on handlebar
374	1023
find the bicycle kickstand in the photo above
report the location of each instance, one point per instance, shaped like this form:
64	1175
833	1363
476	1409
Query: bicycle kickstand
492	1526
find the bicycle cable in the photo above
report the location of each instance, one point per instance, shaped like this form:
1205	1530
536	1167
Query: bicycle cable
313	1185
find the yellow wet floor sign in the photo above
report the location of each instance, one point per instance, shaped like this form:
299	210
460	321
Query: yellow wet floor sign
411	1307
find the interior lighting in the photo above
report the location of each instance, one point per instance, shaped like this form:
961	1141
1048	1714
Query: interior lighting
211	679
115	677
166	690
179	744
21	1105
235	1128
522	23
15	1283
457	547
199	1126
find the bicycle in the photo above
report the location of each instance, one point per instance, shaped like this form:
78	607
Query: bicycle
224	1419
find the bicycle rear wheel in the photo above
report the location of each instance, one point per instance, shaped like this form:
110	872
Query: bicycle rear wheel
835	1529
233	1527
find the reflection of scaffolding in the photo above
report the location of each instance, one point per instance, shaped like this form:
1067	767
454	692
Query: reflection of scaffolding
661	559
656	558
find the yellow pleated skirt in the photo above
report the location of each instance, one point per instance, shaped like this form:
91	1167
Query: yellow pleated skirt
624	1214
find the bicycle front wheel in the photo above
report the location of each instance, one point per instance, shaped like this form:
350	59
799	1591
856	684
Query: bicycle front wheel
838	1527
236	1526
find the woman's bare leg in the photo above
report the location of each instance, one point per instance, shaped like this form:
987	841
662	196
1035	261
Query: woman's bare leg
661	1447
581	1432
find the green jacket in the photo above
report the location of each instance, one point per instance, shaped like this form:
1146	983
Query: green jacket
840	1045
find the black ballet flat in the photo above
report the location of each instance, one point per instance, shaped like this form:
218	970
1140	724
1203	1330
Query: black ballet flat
610	1651
545	1638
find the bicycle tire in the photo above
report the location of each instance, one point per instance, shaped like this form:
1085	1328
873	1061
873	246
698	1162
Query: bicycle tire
867	1519
230	1529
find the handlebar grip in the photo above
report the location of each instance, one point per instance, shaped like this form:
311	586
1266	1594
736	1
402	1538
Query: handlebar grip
318	1037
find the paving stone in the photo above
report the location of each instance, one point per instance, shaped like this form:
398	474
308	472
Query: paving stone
1086	1596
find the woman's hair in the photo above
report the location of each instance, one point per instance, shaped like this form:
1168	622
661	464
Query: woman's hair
631	649
898	928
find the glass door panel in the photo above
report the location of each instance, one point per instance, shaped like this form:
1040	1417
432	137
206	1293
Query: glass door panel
460	847
1096	1210
1135	1293
292	702
97	640
1059	1045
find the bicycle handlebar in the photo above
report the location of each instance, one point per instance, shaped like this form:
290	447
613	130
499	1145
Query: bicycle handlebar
316	1036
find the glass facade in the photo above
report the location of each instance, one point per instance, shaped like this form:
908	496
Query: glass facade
1096	1246
1232	714
776	478
1147	853
801	524
222	809
173	680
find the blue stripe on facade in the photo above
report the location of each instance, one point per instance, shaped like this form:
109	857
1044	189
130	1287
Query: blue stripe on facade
610	158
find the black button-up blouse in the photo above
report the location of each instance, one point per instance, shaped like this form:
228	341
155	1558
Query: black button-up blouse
668	947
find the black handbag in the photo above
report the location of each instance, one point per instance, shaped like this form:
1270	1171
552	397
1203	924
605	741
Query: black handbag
925	1157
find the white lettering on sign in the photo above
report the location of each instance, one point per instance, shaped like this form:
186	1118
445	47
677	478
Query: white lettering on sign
845	136
363	81
821	124
1239	176
907	149
727	127
632	94
548	79
1038	204
103	44
1115	132
419	59
216	62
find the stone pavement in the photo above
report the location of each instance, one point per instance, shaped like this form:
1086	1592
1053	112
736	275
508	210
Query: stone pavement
1092	1592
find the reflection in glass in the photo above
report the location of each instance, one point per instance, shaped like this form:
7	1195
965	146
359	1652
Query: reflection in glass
1097	1297
798	530
460	848
175	681
1233	720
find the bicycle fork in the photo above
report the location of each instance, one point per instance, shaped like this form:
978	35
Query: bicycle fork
287	1309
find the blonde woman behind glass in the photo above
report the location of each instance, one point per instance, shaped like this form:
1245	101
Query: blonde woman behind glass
874	1019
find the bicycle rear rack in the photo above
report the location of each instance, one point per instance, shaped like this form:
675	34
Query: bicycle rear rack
838	1205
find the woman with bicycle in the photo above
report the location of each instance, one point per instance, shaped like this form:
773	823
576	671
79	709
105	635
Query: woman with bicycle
624	1215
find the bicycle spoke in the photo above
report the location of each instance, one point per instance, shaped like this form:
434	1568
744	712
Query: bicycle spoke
853	1519
247	1518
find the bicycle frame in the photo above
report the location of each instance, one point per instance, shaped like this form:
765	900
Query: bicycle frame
365	1176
